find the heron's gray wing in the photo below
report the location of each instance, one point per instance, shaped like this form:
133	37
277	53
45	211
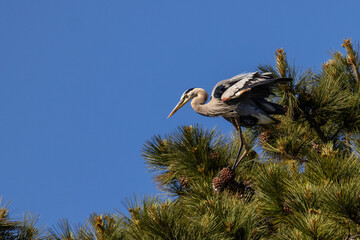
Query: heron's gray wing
245	84
223	85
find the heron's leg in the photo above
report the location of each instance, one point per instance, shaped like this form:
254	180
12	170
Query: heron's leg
245	151
238	127
238	154
242	143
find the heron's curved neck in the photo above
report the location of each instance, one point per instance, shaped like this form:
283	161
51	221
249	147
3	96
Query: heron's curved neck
198	103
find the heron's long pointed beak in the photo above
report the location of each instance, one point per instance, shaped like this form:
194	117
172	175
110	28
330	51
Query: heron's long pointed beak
177	107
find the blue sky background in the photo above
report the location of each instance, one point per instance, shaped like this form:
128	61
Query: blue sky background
83	84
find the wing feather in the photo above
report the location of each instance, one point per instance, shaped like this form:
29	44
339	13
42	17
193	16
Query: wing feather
248	82
223	85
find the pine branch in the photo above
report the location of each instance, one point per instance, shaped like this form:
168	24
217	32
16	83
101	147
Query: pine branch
192	154
281	62
352	58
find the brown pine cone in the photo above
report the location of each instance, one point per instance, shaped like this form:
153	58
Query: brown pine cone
218	184
227	175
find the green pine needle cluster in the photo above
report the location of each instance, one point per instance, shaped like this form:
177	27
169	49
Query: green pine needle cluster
13	229
301	179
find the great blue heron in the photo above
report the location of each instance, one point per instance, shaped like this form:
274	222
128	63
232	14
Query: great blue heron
240	100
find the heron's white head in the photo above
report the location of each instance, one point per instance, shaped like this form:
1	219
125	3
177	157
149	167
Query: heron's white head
185	97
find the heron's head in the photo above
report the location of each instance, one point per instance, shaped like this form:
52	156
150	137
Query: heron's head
185	97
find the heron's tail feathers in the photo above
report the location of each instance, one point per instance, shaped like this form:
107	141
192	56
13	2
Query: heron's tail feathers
279	110
270	108
264	119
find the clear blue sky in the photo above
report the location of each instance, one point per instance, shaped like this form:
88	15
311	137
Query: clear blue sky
84	83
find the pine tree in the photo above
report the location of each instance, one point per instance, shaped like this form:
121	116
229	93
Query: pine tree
301	180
